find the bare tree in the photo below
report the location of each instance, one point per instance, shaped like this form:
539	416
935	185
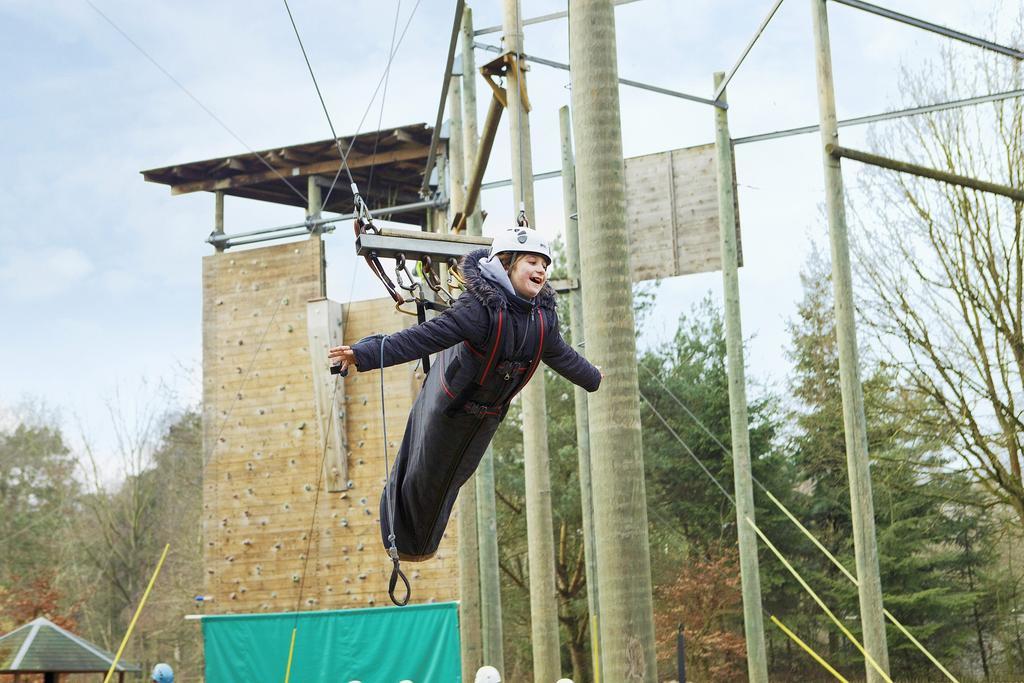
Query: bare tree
944	265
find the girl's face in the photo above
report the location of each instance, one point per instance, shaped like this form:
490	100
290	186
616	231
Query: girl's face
528	275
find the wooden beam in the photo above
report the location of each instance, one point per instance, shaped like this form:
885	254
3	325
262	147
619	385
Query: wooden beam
483	155
211	185
324	320
839	152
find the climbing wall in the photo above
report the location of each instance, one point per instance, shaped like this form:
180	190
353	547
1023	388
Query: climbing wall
263	446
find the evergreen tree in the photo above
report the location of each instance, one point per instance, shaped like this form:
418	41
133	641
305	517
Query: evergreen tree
921	507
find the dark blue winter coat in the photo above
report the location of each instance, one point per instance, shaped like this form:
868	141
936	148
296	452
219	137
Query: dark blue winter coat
488	344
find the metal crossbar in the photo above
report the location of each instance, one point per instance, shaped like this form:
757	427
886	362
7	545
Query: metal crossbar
414	245
934	28
746	51
623	81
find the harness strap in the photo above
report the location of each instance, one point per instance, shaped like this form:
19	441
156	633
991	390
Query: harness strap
540	349
374	263
421	317
492	354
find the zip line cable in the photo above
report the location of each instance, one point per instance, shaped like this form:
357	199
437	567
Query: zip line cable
789	515
369	104
360	209
384	96
195	99
323	105
373	97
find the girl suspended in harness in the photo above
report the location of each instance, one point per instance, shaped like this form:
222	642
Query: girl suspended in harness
489	343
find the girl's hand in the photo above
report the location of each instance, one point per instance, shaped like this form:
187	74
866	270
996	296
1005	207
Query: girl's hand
342	356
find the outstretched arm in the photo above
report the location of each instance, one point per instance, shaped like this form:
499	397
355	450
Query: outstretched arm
465	320
564	360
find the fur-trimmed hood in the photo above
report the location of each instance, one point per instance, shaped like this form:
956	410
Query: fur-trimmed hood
486	291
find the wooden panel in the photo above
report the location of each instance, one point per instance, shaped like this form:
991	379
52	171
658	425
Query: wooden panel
672	213
324	327
262	516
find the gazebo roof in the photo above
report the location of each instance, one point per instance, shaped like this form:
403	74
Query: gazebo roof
397	157
41	646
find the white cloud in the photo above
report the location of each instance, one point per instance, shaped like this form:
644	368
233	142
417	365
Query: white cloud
43	273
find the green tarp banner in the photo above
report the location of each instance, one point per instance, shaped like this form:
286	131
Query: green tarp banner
419	643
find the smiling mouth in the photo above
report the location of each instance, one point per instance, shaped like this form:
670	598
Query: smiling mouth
537	280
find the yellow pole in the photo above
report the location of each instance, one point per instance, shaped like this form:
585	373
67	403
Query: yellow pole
796	639
814	596
291	651
138	610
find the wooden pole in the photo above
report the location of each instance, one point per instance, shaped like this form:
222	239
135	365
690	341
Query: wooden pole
313	209
218	217
469	547
616	449
487	514
753	620
862	507
925	172
481	156
539	531
572	252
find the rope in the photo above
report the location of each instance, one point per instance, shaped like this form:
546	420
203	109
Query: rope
782	558
389	499
778	504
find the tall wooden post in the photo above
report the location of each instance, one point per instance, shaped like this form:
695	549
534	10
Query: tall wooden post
218	216
864	544
572	252
487	514
753	620
540	535
616	449
469	547
314	208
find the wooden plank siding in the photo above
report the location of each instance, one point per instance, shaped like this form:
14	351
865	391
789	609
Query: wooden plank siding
672	211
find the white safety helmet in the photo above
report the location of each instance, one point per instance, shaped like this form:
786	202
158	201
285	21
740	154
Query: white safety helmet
487	674
564	680
521	240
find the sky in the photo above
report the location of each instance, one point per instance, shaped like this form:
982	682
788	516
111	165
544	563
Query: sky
100	272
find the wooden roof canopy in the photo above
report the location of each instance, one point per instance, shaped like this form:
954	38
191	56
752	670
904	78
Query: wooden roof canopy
397	166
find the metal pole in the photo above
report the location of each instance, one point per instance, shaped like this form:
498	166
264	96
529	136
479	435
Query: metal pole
681	654
540	534
934	28
541	19
469	545
624	81
616	448
572	252
862	507
753	620
487	514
